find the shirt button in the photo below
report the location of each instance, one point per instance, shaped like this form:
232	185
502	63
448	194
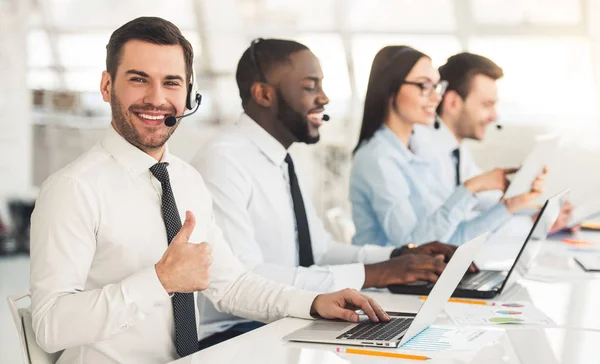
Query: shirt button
125	327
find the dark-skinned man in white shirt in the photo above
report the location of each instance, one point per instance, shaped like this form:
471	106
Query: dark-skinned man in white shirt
261	204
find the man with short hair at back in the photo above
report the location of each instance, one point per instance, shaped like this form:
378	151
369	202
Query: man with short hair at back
467	109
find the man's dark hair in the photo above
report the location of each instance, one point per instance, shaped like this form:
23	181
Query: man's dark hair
460	70
268	54
148	29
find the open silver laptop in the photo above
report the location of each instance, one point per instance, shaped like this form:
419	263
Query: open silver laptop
402	327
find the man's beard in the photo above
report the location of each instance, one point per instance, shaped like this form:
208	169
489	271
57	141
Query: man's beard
126	127
294	121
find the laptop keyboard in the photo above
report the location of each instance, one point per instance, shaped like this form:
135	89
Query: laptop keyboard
377	330
475	281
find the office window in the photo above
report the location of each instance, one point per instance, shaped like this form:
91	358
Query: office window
540	12
365	47
83	51
42	79
77	15
330	51
39	53
83	80
401	15
224	52
270	16
543	76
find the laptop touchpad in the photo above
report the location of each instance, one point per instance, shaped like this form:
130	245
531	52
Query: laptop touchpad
329	326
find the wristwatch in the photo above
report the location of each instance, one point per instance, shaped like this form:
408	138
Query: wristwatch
402	250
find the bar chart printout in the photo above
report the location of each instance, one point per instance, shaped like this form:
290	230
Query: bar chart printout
439	338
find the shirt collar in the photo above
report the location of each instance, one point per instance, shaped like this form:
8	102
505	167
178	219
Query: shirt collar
267	144
446	140
128	154
388	135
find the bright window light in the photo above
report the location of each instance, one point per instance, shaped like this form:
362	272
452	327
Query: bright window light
365	47
42	79
401	15
330	51
542	76
39	53
540	12
86	50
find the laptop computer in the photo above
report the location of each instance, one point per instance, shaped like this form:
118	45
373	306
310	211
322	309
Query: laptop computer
402	327
490	283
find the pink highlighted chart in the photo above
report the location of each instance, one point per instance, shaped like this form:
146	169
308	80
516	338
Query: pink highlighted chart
514	305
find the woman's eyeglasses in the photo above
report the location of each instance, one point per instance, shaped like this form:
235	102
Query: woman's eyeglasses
428	87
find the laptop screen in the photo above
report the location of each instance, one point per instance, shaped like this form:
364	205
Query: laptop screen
537	235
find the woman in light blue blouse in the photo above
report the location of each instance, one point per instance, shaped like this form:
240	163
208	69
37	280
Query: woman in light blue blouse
395	187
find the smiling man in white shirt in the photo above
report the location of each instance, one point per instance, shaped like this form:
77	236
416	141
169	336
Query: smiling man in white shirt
113	271
467	109
260	204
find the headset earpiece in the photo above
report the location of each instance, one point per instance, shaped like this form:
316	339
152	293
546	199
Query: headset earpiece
194	97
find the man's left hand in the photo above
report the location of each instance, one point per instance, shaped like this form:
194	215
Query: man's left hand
437	249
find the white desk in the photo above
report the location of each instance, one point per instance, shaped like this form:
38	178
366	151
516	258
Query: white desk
572	305
519	346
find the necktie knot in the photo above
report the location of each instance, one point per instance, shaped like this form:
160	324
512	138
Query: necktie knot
456	153
159	170
288	160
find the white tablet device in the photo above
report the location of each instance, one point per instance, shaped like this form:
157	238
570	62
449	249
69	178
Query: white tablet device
584	212
543	152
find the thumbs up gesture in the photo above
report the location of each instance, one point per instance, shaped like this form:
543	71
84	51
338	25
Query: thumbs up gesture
184	267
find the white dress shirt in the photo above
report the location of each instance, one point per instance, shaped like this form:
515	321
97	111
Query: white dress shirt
245	172
446	143
96	233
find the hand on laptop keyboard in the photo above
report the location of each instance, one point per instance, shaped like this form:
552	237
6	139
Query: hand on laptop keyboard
343	305
403	269
434	249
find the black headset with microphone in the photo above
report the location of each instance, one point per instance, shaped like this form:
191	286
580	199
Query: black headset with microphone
192	101
254	61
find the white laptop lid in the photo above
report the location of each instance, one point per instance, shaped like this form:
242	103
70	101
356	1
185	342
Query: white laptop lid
444	287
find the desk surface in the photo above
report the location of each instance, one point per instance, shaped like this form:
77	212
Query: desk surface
519	346
572	303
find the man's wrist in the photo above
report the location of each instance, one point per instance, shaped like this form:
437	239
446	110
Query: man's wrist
373	275
402	250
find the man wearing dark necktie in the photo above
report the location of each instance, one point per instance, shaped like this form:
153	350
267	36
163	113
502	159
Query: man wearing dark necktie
456	160
114	272
259	197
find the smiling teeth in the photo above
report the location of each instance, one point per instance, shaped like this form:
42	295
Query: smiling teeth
150	117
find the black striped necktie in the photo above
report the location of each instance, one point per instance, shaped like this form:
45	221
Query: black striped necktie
184	311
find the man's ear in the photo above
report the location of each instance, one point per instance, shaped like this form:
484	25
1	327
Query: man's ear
106	86
452	103
262	94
